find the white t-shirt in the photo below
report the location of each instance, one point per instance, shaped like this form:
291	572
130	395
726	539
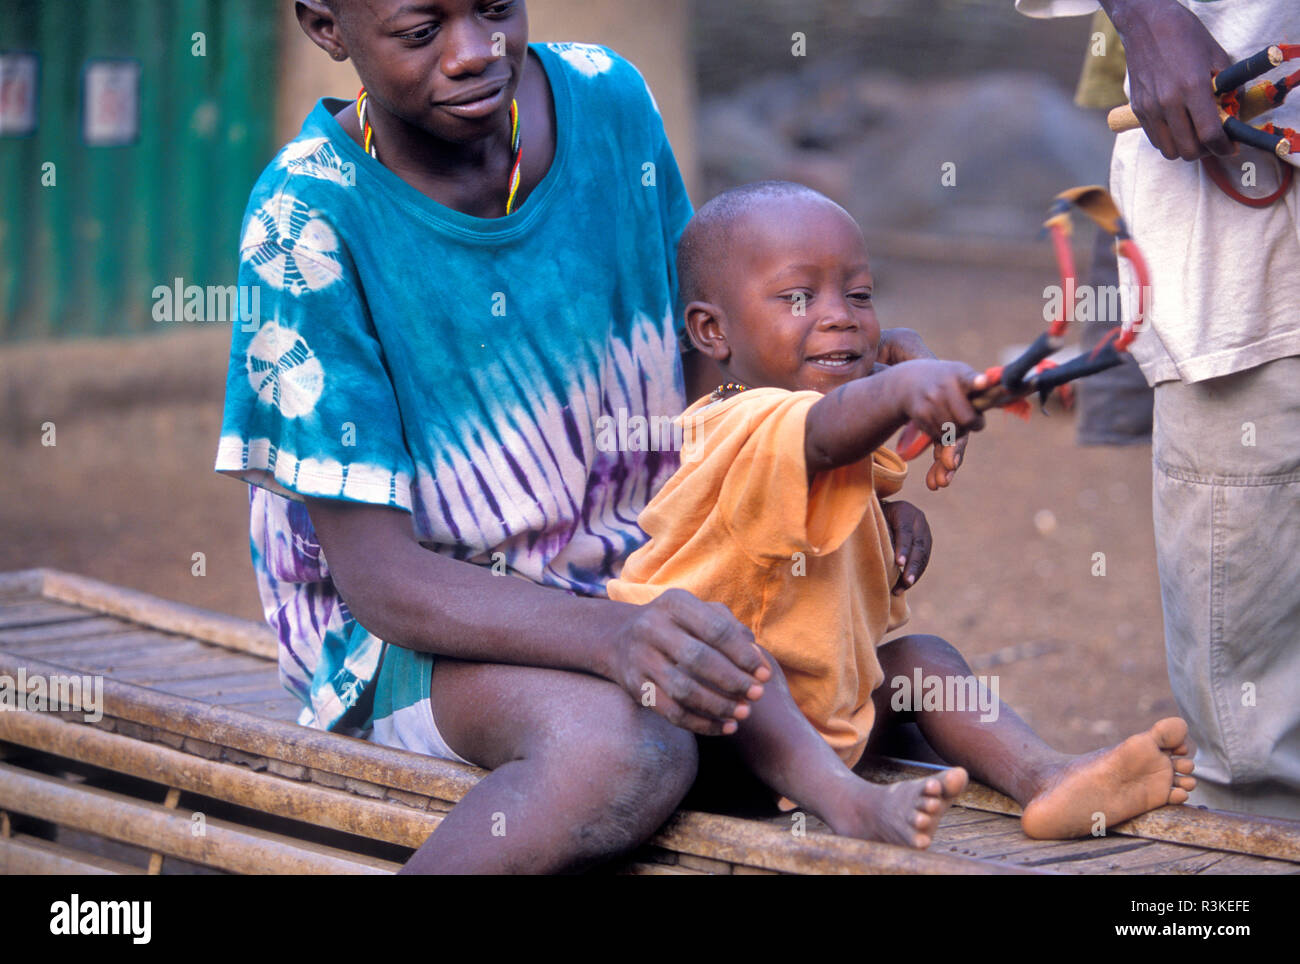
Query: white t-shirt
1225	277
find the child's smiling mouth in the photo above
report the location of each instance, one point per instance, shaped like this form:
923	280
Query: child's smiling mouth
835	361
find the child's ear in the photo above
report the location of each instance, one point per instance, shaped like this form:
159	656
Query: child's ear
704	325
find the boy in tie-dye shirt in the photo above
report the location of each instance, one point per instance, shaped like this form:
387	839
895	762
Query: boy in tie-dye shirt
454	367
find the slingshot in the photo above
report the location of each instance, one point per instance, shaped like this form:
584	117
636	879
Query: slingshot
1011	384
1236	107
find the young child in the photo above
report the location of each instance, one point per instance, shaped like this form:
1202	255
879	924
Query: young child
776	514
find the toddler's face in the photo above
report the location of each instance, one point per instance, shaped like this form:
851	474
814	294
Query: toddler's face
798	308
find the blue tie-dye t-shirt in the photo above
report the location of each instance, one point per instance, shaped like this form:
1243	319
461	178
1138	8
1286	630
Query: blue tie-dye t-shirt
458	368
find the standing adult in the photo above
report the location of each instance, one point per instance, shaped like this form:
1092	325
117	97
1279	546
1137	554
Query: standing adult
1223	352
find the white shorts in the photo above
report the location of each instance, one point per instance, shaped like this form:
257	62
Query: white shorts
413	728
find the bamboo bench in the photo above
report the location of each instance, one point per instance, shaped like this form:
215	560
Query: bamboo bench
198	766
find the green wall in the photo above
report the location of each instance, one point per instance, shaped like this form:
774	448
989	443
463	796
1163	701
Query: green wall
82	257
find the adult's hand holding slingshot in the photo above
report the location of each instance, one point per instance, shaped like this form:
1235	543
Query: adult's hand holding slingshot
1010	385
1237	106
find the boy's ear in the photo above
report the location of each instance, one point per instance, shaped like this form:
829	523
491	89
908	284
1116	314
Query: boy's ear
704	325
320	24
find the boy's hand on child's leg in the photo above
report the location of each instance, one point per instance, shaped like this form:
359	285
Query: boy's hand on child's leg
910	534
690	661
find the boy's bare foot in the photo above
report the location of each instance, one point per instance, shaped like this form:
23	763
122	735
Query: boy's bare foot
1146	771
904	813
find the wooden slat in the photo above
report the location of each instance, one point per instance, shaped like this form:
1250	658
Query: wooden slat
262	675
736	841
959	816
1008	839
1009	845
268	695
37	612
960	832
22	584
251	688
133	655
21	854
1243	864
294	799
658	870
213	661
96	627
286	710
205	688
227	631
242	730
129	648
1208	863
1116	850
1191	861
105	634
1120	859
1110	854
281	711
224	845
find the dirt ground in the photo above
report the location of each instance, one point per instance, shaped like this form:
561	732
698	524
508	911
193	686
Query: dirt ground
127	494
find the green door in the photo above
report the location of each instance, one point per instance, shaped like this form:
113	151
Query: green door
152	119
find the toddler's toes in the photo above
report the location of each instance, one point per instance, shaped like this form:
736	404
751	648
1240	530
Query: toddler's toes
953	782
931	805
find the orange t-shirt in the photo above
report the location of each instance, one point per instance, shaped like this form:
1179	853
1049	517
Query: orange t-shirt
807	568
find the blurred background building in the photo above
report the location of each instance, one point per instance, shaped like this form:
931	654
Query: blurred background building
131	132
158	115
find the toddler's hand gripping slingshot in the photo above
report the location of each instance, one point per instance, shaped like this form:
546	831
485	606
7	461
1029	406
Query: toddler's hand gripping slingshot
1010	384
1236	107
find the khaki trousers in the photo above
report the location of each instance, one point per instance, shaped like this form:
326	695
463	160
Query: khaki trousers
1226	482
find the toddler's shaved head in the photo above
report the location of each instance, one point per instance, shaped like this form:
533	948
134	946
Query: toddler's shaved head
704	250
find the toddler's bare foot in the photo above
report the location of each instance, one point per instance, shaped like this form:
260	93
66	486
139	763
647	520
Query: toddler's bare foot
1146	771
904	813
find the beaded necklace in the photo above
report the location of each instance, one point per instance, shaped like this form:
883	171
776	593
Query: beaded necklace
722	391
368	144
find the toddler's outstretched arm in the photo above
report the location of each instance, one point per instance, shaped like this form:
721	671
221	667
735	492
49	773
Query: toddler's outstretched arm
856	419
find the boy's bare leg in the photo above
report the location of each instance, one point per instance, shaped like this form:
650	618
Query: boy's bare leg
783	750
580	773
1061	794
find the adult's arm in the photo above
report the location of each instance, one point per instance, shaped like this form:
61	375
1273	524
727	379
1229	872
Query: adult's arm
1171	57
700	658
